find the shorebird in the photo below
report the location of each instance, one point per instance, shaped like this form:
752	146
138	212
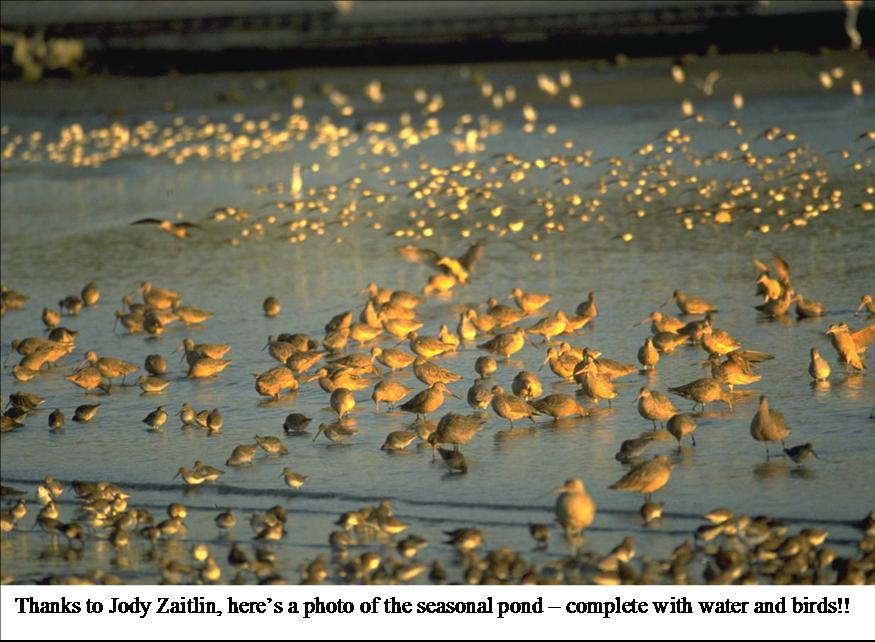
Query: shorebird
242	454
389	391
775	308
609	367
12	299
646	478
428	347
540	533
152	385
593	384
190	477
704	391
294	480
808	308
205	367
800	453
336	432
156	419
550	326
226	520
511	407
72	304
296	423
357	363
180	230
681	425
187	414
466	330
530	302
190	315
689	304
654	406
660	322
588	308
271	306
526	385
363	333
668	342
85	412
455	460
194	351
342	402
155	365
718	342
282	351
159	298
818	367
651	512
559	405
110	367
465	539
485	367
735	371
56	420
90	294
502	315
398	440
209	473
430	373
392	358
648	355
455	429
504	345
561	363
575	510
271	445
88	378
215	421
25	400
400	328
51	318
867	303
428	400
768	425
272	382
479	396
330	379
847	344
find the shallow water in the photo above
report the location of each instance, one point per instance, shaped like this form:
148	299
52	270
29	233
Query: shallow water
62	227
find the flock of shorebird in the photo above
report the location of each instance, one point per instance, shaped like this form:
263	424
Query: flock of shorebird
496	329
784	184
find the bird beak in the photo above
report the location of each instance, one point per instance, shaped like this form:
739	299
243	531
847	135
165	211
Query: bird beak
318	432
642	321
265	346
860	307
814	453
454	394
176	475
667	301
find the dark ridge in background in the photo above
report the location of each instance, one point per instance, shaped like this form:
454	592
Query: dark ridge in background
317	35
